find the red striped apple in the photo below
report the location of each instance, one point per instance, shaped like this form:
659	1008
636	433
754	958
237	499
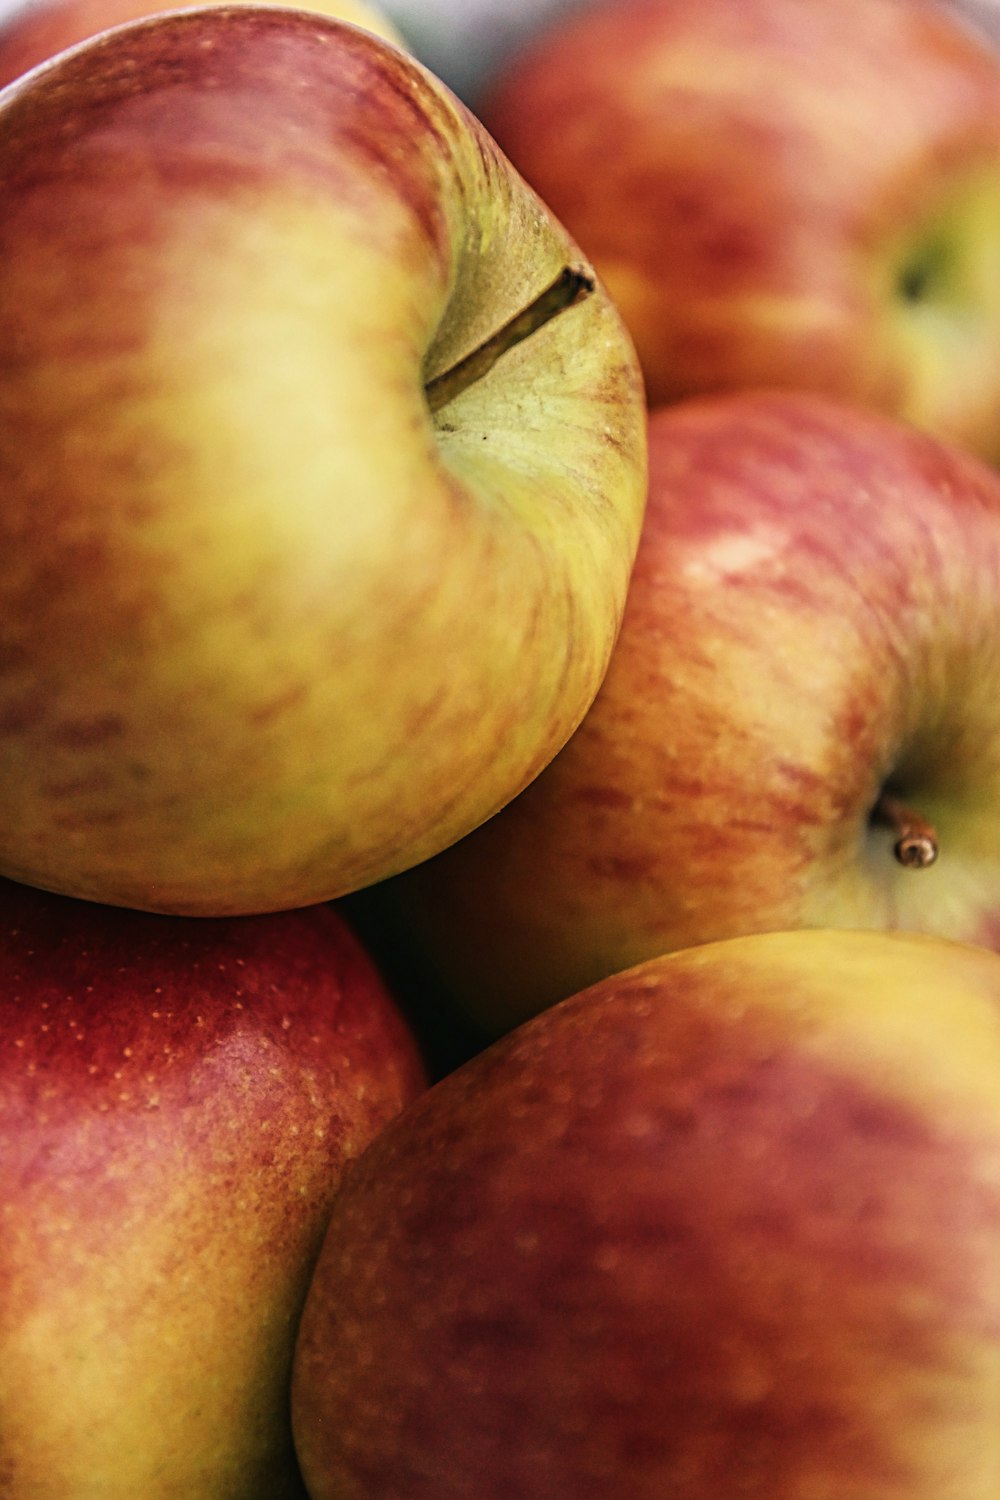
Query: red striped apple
810	658
725	1225
799	193
35	30
323	465
178	1100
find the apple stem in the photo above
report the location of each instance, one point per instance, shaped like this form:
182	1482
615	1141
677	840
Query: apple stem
916	843
572	285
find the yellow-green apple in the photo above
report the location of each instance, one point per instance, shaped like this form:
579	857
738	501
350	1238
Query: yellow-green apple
322	460
178	1101
810	659
36	30
726	1224
799	193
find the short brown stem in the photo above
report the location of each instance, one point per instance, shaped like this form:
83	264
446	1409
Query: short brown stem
916	843
570	286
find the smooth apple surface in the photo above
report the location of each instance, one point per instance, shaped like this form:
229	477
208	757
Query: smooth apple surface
799	194
178	1101
813	629
284	608
35	30
728	1224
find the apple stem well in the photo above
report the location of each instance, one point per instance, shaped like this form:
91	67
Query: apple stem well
916	843
572	285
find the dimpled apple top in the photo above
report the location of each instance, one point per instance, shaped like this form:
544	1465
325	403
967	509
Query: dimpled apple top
269	629
801	192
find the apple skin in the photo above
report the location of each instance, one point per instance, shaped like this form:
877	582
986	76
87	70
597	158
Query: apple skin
814	615
35	30
178	1101
796	197
727	1224
269	629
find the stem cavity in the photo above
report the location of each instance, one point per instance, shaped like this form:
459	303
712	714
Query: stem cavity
572	285
916	844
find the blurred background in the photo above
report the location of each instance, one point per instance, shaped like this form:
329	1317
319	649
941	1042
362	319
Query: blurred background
463	41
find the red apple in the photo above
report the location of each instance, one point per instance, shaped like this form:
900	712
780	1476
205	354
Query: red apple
309	560
178	1101
813	630
780	192
725	1225
35	30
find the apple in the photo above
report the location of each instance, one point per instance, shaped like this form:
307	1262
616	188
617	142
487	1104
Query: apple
35	30
810	661
726	1224
178	1102
797	194
323	467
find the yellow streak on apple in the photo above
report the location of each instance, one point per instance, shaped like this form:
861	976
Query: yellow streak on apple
952	1048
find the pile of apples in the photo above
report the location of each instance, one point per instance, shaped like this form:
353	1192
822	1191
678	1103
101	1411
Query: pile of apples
499	755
